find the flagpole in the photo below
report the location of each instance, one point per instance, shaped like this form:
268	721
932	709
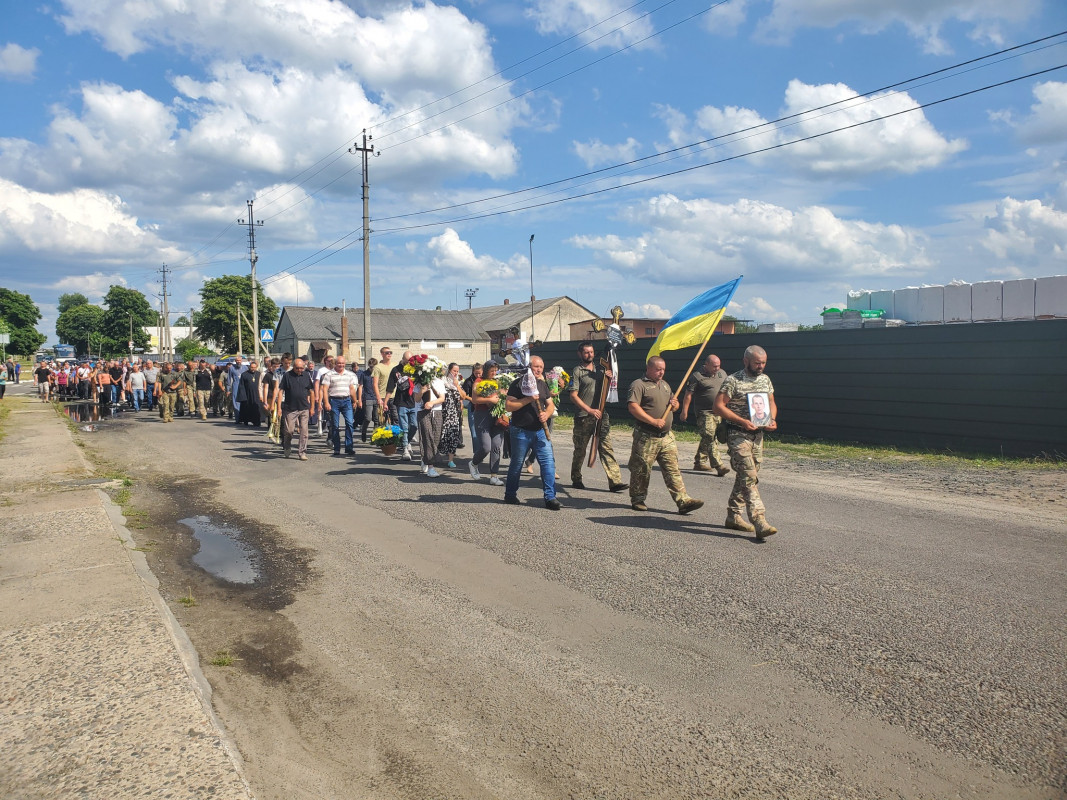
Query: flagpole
689	372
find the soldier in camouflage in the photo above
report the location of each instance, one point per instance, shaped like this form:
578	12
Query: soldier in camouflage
744	440
583	388
652	406
700	392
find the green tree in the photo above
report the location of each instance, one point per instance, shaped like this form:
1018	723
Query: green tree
121	304
190	348
217	320
77	323
21	315
741	326
181	322
69	301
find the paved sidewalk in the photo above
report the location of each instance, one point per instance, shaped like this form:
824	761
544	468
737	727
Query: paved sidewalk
101	695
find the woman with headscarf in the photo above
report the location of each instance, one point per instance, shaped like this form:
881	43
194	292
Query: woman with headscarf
247	395
452	429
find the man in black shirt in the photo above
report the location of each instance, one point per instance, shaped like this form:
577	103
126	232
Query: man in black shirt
203	382
529	418
294	399
403	390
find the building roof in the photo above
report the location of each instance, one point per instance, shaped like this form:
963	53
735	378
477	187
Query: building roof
387	324
500	318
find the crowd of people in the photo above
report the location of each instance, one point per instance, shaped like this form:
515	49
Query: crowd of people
421	401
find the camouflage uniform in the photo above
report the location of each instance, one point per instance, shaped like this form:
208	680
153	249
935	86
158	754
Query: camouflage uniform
584	382
651	447
169	384
702	389
745	447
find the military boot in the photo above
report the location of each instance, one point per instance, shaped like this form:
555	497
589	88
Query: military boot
763	528
701	466
736	522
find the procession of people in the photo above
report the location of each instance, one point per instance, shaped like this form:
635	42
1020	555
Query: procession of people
419	401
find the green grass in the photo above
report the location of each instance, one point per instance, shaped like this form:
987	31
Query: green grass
792	446
187	599
223	658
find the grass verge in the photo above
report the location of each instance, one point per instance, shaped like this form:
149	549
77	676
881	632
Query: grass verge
799	447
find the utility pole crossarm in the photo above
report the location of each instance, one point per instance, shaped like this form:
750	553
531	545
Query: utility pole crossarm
252	259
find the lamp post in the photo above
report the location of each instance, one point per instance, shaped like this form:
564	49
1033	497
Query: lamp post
531	290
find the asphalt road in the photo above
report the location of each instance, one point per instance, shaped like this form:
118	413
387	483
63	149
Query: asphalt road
418	638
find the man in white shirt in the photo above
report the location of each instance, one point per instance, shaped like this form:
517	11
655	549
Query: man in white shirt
339	395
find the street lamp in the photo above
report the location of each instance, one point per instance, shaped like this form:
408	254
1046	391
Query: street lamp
531	290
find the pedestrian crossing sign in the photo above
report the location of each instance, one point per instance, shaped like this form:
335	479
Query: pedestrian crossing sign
266	335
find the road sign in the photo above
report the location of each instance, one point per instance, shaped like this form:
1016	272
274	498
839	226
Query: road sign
5	338
130	345
266	335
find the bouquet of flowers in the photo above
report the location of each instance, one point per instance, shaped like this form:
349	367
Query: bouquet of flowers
388	435
558	380
504	381
424	368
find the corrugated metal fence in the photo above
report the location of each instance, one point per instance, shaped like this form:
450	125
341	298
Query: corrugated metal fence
999	388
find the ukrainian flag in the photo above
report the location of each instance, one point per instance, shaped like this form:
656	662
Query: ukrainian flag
696	320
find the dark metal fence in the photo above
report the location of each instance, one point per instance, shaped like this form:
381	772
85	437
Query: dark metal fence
997	388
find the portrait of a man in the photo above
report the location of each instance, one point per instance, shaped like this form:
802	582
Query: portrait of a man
759	409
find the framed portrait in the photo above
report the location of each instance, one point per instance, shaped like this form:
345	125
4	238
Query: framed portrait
759	409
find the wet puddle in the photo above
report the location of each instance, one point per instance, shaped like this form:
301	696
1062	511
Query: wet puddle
90	412
221	553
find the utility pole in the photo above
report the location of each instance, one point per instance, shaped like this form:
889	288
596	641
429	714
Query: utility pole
240	345
165	346
131	337
531	290
365	152
252	259
470	297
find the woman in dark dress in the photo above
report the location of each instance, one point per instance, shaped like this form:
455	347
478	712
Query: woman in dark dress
248	396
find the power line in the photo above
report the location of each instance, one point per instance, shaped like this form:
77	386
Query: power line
769	148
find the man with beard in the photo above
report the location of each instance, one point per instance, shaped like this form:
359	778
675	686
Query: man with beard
744	439
585	378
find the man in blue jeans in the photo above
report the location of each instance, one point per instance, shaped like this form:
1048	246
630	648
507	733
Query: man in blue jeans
530	403
340	396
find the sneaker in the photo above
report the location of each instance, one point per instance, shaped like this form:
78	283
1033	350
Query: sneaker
425	469
690	505
432	473
451	464
553	504
495	481
302	457
474	471
407	453
638	506
511	501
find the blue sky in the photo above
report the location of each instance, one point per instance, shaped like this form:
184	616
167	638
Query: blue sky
135	130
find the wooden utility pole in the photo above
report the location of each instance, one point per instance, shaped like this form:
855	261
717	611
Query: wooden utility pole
252	259
365	152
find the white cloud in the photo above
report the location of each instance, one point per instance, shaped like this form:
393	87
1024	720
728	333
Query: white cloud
760	310
922	18
645	310
1047	122
725	19
83	223
568	17
94	286
18	62
596	153
1029	233
450	256
701	243
287	288
905	143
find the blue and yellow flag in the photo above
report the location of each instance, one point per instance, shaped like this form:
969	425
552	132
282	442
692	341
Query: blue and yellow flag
696	320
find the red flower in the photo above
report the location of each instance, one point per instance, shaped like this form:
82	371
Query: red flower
422	358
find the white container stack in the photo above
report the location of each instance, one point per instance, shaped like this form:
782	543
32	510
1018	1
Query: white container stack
1020	299
906	304
883	299
859	301
1050	301
957	302
931	309
987	301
